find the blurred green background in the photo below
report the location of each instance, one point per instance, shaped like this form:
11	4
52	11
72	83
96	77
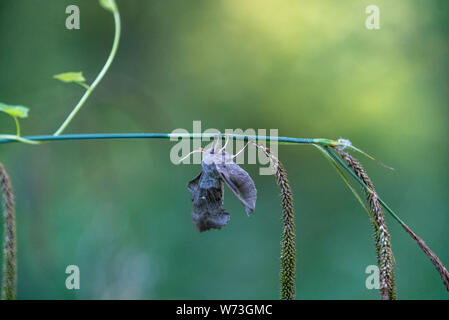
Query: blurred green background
120	210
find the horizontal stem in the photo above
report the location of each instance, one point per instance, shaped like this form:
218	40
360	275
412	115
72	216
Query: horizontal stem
101	136
14	138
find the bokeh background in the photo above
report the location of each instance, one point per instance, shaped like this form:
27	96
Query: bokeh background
120	210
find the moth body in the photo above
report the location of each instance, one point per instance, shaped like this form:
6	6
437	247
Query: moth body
207	190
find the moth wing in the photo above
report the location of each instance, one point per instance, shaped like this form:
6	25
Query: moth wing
233	188
210	221
207	212
240	183
194	185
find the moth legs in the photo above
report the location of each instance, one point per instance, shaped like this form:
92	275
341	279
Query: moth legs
227	138
190	153
226	143
218	137
236	155
271	157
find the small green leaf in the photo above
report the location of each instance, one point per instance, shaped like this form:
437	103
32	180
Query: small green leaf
109	5
70	77
14	111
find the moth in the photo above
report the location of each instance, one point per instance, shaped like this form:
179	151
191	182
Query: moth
207	189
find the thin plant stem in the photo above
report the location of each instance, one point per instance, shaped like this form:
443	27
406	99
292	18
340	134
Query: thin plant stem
101	136
441	269
82	84
17	126
362	183
14	138
348	184
99	77
8	287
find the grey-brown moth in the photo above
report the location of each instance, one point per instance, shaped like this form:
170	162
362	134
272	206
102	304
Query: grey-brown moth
207	189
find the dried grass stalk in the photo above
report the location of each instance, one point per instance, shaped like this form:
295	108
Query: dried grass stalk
9	245
381	236
432	256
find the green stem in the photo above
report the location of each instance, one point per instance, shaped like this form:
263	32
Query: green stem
345	166
101	136
82	84
17	125
348	184
13	138
99	77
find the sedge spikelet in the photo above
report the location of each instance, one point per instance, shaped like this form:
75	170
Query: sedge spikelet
381	235
288	239
288	242
9	245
